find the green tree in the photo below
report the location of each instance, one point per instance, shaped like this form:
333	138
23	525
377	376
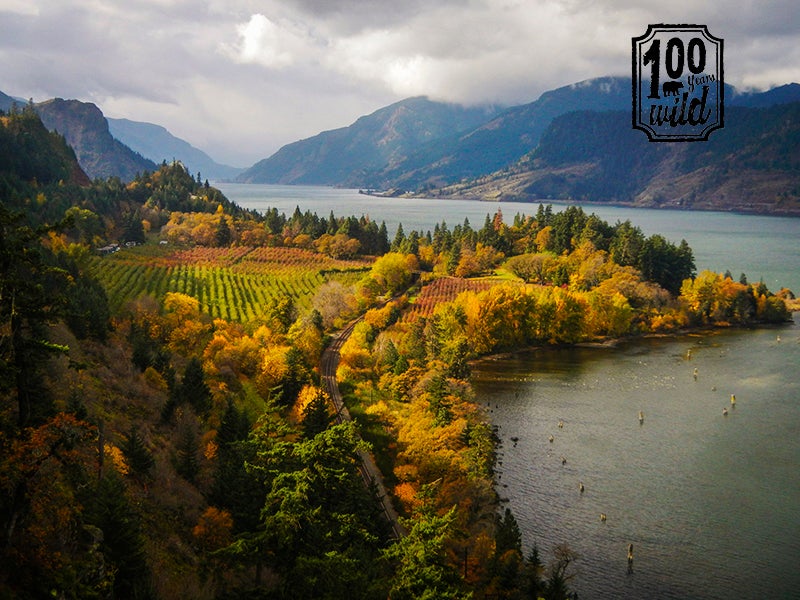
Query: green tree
316	416
193	388
133	229
109	509
234	488
316	512
138	457
665	263
31	297
223	236
186	462
421	568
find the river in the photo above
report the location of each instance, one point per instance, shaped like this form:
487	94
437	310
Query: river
711	502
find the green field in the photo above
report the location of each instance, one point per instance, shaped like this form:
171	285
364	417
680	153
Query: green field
234	284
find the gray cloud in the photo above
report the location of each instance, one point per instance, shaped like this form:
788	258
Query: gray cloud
239	78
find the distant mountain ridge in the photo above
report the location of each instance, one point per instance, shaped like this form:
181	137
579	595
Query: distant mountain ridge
359	156
503	139
157	144
751	165
374	141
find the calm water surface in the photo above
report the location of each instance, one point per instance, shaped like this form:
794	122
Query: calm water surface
710	502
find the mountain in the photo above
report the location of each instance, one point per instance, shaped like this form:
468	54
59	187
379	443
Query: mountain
29	152
86	130
751	165
157	144
363	155
6	102
783	94
502	140
374	141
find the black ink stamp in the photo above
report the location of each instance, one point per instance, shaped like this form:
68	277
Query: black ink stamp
678	83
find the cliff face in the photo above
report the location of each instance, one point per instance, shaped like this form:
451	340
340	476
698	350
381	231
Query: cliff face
86	130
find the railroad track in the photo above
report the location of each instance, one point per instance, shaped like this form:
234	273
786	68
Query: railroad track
370	473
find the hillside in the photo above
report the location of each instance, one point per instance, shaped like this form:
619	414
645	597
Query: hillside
155	143
372	142
752	165
28	151
86	130
501	140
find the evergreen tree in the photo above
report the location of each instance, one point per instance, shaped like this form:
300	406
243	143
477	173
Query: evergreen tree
316	417
399	238
223	236
109	509
533	574
233	487
295	378
187	464
422	569
193	388
383	240
139	459
31	297
133	230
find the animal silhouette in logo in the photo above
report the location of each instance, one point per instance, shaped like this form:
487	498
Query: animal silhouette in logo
670	88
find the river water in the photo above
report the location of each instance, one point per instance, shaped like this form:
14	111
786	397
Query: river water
711	502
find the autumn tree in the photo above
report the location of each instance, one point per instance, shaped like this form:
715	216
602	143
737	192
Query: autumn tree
394	271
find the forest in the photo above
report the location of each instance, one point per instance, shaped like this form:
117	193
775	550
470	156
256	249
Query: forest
164	431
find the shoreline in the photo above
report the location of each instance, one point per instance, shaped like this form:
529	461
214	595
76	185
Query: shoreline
583	203
615	342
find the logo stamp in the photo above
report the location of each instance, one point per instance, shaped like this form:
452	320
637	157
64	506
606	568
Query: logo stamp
678	84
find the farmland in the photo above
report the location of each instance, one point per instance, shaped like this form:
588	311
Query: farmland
233	283
441	290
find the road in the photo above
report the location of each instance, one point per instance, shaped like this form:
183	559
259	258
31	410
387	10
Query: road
370	473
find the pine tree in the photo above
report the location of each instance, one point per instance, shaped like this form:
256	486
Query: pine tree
223	236
399	238
187	464
140	460
108	509
193	388
316	417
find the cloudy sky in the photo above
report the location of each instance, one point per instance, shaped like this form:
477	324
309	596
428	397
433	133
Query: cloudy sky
240	78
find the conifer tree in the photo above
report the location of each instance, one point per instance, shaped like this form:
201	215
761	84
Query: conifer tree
316	417
140	460
223	236
187	464
108	509
193	388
